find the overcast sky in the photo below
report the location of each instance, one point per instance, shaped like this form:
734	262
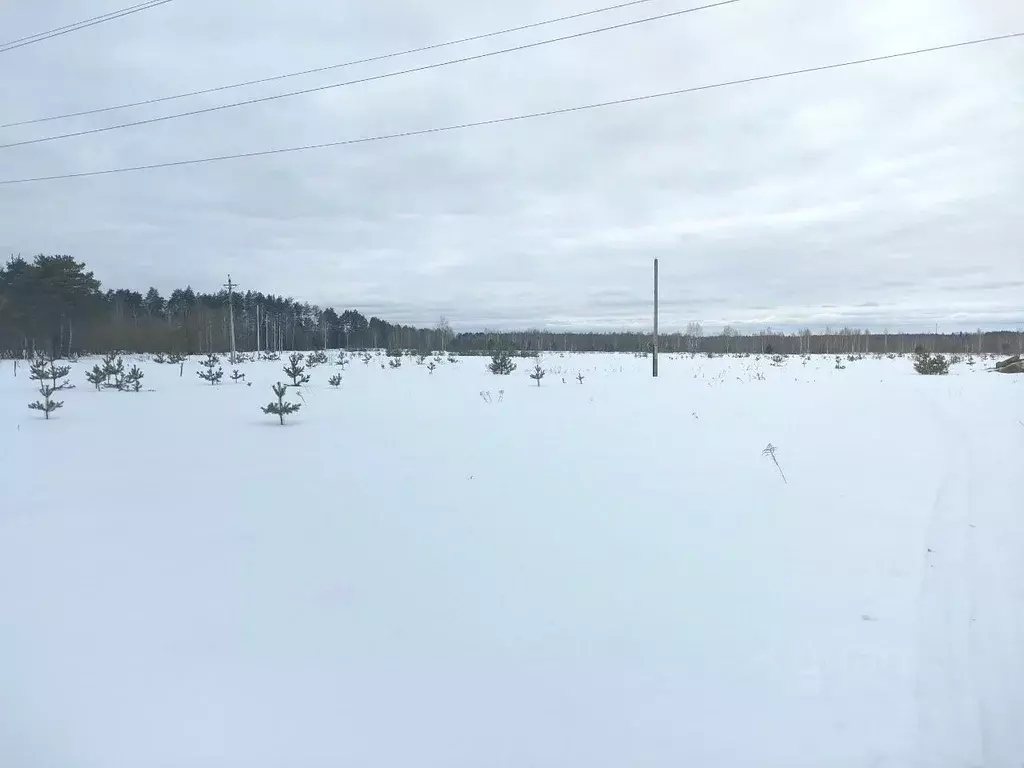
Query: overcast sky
884	195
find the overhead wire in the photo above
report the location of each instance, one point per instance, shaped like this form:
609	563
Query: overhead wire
329	67
517	118
367	79
74	27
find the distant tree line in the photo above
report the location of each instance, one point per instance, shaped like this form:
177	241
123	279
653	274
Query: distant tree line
55	305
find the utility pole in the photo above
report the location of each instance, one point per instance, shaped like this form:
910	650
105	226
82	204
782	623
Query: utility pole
257	329
655	363
231	314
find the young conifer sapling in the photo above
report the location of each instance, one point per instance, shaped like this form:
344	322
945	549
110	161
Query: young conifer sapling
295	370
45	373
280	408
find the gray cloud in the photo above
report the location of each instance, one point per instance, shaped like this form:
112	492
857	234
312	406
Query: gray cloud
881	195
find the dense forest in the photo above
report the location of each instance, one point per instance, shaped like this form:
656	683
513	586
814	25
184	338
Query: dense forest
53	304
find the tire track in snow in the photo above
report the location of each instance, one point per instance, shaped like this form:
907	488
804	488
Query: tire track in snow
951	716
994	577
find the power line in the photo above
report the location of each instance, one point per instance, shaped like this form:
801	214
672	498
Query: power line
68	28
370	78
329	67
516	118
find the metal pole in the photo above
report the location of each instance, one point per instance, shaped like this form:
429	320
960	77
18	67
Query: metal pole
655	362
231	315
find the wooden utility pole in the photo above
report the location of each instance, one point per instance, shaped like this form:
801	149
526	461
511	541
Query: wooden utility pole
257	329
655	351
231	314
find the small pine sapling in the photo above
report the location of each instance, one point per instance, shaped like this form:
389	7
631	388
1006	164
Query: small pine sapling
112	367
280	408
236	376
131	380
160	358
501	363
55	373
367	357
316	358
96	377
431	367
579	377
394	362
335	380
46	405
295	370
213	373
45	373
538	373
928	364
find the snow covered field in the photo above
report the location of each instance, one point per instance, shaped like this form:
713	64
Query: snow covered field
577	575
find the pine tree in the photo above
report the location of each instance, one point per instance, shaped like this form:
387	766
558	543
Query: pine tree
131	380
501	363
236	376
280	408
295	370
928	364
213	373
96	376
538	373
45	373
335	380
431	366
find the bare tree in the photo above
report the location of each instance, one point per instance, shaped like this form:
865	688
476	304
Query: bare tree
694	333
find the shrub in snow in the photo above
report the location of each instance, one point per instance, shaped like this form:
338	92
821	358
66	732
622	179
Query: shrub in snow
45	373
213	373
295	370
538	373
501	363
236	376
335	380
928	364
280	408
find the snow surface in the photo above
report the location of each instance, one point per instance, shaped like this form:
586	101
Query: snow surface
598	574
